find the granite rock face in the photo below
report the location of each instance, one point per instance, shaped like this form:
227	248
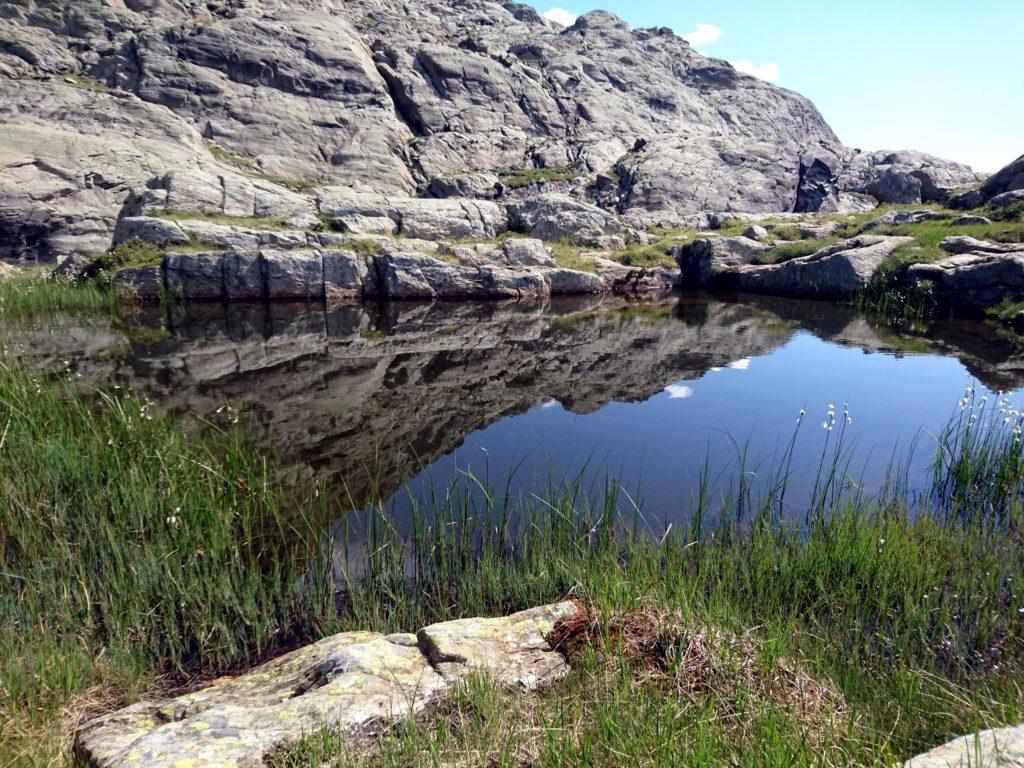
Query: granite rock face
356	683
110	110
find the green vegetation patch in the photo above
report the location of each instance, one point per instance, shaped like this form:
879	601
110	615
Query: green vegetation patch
251	222
133	551
518	179
569	256
86	83
133	253
248	167
788	232
32	295
794	250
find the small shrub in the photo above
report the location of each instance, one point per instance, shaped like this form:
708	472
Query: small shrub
1013	213
133	253
788	232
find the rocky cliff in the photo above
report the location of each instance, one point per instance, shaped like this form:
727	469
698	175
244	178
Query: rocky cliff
243	107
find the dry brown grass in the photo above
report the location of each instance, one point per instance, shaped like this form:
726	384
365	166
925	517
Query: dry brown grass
697	661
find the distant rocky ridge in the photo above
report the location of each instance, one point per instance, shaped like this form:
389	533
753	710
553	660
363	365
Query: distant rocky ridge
251	107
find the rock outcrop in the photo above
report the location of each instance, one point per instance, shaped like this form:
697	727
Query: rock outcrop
289	108
518	269
835	271
356	683
977	275
1009	179
995	748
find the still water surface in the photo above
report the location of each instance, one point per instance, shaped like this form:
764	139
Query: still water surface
390	401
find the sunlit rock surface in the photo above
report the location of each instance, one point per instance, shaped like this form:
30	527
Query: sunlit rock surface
997	748
357	683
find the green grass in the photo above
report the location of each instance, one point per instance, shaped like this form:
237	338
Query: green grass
794	250
253	222
1012	213
892	293
224	155
788	232
569	256
657	253
909	619
135	552
365	247
133	253
519	179
131	551
30	296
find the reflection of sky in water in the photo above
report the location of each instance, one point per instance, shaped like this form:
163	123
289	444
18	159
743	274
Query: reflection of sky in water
656	448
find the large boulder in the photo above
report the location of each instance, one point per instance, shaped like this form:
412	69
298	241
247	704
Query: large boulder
466	185
346	275
818	188
893	186
293	274
195	275
628	280
417	276
959	244
904	176
428	219
834	272
977	276
557	217
526	252
1008	179
699	260
149	230
354	683
1007	199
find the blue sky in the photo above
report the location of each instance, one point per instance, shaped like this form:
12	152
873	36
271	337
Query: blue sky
941	76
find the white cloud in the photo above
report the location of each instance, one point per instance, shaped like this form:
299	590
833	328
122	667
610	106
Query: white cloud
678	392
560	16
549	404
768	71
741	365
704	34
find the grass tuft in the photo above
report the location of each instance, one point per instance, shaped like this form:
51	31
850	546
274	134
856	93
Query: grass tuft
519	179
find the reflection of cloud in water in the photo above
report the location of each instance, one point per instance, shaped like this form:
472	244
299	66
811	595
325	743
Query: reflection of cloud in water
367	396
679	391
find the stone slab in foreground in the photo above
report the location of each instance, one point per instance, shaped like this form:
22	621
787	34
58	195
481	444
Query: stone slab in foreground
997	748
355	682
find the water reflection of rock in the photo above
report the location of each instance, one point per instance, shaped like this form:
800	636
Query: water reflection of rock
378	390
